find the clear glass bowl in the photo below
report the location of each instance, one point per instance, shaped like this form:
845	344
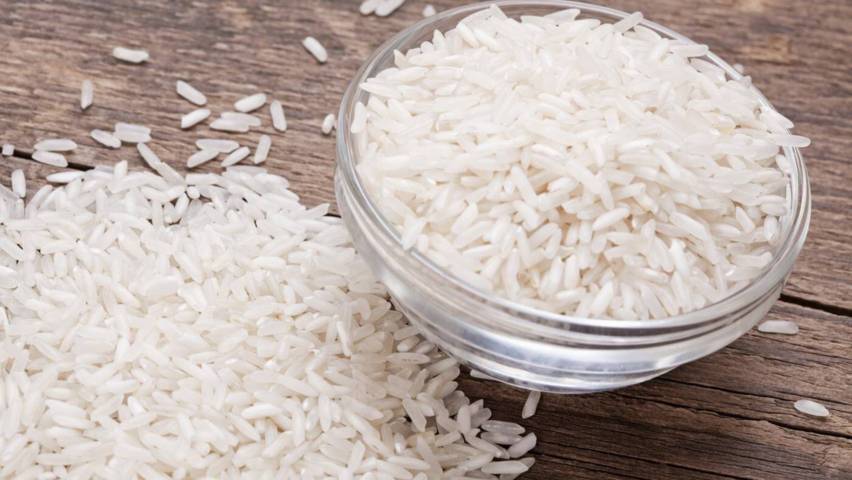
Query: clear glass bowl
521	345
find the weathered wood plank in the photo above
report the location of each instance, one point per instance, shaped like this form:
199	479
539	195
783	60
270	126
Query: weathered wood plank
728	416
793	49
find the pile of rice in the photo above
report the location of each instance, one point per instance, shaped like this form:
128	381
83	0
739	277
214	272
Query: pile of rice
214	327
579	167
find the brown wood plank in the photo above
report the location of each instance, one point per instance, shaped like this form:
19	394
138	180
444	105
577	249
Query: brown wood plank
793	49
728	416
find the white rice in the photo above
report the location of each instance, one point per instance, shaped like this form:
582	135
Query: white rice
132	133
213	327
629	180
387	7
261	152
523	446
229	126
236	156
784	327
105	138
194	118
50	158
429	10
812	408
87	94
367	7
131	127
190	93
8	150
531	404
222	146
315	48
201	157
250	103
19	183
64	177
239	117
56	145
279	120
328	124
509	466
130	55
148	155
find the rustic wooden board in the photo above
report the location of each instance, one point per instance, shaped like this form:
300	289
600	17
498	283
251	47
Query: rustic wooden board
727	416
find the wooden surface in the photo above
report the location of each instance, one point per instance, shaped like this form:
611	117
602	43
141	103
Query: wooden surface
729	416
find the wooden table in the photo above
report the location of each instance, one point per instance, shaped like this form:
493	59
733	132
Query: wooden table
728	416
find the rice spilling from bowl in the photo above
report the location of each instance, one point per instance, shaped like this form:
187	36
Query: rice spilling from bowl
213	327
579	167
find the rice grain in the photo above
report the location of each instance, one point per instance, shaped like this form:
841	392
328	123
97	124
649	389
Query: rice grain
190	93
236	156
130	55
262	149
87	94
50	158
193	118
105	138
315	48
250	103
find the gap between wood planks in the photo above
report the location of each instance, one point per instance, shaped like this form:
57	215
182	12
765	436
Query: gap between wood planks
785	297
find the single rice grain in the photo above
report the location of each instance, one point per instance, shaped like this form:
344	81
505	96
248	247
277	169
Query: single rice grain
105	138
87	94
531	404
219	145
250	103
190	93
812	408
279	119
50	158
262	149
19	183
194	118
56	145
315	48
784	327
200	157
328	124
130	55
236	156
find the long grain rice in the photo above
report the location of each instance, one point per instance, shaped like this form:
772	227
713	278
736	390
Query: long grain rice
50	158
190	93
105	138
250	103
262	149
56	145
19	183
279	119
220	329
576	193
130	55
236	156
315	48
87	94
194	118
812	408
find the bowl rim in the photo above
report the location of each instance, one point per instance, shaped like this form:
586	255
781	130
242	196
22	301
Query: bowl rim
797	222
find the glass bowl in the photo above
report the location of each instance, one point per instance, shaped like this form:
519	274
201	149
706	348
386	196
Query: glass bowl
524	346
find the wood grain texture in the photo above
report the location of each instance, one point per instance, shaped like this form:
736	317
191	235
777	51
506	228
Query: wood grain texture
729	416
